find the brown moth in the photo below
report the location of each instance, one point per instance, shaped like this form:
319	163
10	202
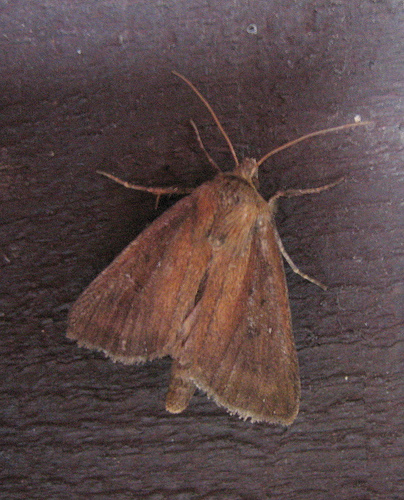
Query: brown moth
205	284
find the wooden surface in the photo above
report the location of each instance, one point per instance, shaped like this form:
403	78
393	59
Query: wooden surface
87	85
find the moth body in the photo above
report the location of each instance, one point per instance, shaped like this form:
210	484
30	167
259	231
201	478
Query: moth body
205	285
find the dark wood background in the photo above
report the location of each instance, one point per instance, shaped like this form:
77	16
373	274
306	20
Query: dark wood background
88	85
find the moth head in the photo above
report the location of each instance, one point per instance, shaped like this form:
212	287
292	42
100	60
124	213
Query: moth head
248	170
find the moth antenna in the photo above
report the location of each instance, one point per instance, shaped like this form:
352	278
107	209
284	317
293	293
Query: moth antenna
201	145
309	136
209	107
158	191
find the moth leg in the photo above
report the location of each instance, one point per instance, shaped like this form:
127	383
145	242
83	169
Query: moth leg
158	191
180	390
298	192
289	193
201	145
293	265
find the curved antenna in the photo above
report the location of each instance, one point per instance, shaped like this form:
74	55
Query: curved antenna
308	136
205	102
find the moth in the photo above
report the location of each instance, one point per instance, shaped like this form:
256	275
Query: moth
205	285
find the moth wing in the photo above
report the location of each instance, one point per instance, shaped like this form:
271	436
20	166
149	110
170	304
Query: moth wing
134	308
237	343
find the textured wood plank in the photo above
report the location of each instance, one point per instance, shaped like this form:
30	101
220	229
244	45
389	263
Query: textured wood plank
87	85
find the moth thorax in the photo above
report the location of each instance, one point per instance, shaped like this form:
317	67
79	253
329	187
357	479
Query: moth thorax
248	170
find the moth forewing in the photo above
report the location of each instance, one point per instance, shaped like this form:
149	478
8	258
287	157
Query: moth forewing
133	309
237	343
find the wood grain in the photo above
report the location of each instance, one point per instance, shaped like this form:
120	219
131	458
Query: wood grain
88	86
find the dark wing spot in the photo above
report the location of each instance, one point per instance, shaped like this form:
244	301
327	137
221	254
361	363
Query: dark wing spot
253	331
217	240
201	288
138	286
